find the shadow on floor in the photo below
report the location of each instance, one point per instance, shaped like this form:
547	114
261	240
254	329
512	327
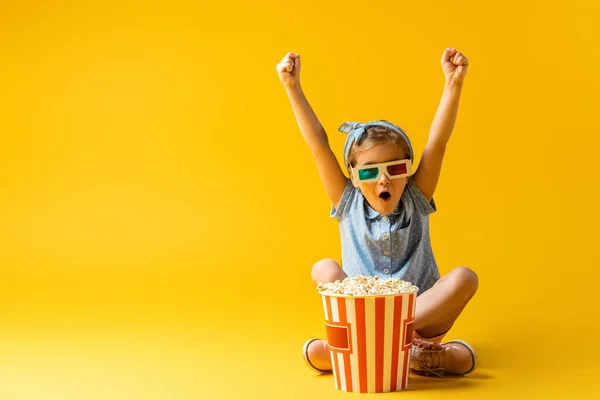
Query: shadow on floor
424	383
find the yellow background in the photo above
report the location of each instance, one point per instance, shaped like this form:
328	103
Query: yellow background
160	212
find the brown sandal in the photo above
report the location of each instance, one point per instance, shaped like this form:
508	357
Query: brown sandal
431	358
310	365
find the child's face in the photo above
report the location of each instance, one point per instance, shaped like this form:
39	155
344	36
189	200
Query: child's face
375	191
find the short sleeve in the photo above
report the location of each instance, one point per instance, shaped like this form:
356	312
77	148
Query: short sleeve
345	201
419	200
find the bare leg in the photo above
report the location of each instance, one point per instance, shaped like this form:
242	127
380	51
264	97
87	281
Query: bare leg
438	308
324	271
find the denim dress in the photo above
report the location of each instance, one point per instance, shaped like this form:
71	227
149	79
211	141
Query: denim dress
393	245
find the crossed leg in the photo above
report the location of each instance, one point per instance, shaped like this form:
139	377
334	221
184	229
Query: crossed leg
436	310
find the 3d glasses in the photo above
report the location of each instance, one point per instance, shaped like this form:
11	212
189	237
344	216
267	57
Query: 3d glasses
393	170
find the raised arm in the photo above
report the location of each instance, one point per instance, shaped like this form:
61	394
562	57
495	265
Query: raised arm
426	177
312	131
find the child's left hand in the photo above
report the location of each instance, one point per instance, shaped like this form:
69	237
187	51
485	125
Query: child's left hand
455	65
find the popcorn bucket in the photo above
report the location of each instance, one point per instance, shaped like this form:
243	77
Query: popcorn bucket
370	338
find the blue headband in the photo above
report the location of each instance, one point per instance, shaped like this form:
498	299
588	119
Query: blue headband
356	130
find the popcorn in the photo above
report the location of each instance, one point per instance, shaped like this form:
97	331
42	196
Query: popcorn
366	286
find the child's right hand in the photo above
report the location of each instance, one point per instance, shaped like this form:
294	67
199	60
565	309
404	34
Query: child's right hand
289	70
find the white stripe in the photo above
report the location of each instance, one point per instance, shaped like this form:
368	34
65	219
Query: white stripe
342	371
332	355
325	308
335	315
335	318
351	318
388	339
401	353
370	339
414	297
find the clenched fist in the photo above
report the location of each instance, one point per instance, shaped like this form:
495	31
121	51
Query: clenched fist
289	70
454	64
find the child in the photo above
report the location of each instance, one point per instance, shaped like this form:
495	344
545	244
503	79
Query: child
383	214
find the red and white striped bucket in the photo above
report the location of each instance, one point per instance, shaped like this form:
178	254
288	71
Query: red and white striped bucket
370	338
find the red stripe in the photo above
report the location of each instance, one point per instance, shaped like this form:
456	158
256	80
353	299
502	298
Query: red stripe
361	342
336	368
379	342
347	367
396	342
408	350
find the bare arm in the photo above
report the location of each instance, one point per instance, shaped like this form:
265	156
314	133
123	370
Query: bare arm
312	131
427	175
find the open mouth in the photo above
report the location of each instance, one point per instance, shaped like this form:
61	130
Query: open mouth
385	195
